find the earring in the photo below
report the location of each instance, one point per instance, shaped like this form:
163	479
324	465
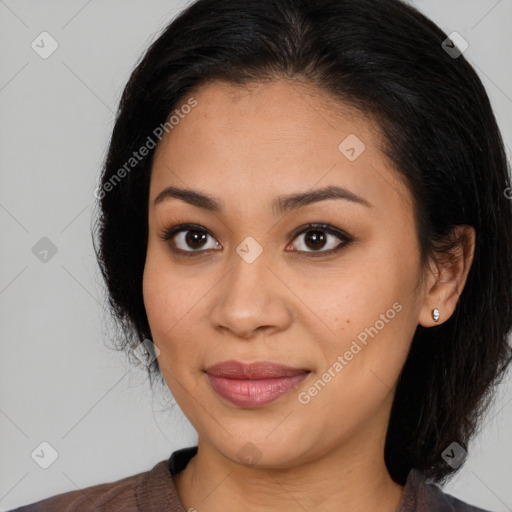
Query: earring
435	314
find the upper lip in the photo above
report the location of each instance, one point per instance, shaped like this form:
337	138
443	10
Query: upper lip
258	370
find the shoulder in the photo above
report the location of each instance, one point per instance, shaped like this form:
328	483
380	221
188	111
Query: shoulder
127	494
421	496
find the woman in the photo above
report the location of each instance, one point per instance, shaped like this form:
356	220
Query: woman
304	208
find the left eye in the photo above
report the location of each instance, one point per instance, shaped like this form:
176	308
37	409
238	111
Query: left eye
320	239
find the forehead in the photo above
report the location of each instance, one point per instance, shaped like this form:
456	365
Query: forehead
254	139
282	108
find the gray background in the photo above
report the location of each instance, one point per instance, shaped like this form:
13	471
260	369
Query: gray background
58	381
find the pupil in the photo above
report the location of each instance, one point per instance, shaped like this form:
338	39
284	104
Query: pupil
195	237
316	239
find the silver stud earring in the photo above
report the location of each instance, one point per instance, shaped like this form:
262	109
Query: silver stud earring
435	314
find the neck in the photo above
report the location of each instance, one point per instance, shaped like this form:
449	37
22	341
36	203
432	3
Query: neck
351	478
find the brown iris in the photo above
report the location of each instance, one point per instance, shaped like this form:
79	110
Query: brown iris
315	239
195	239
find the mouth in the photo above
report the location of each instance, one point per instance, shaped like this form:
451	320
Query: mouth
255	384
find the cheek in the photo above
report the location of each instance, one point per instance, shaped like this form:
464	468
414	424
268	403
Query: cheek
370	315
166	293
359	371
349	300
164	313
157	300
166	299
175	309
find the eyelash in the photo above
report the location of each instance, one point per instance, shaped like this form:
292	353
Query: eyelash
170	231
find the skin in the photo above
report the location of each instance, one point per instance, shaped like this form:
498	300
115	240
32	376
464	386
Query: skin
245	146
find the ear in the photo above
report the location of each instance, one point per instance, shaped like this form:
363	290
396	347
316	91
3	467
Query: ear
447	278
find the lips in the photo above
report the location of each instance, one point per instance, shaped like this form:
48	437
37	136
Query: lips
255	371
255	384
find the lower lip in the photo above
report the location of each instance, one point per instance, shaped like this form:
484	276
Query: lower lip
254	393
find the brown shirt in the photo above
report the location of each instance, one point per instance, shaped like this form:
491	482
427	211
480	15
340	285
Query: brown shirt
154	491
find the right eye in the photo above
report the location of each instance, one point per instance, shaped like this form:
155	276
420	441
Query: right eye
188	239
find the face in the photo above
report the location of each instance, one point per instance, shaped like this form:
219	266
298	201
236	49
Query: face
252	281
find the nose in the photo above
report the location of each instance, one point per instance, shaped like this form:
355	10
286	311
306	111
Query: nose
251	300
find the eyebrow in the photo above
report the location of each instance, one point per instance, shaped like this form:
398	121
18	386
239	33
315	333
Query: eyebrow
280	205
